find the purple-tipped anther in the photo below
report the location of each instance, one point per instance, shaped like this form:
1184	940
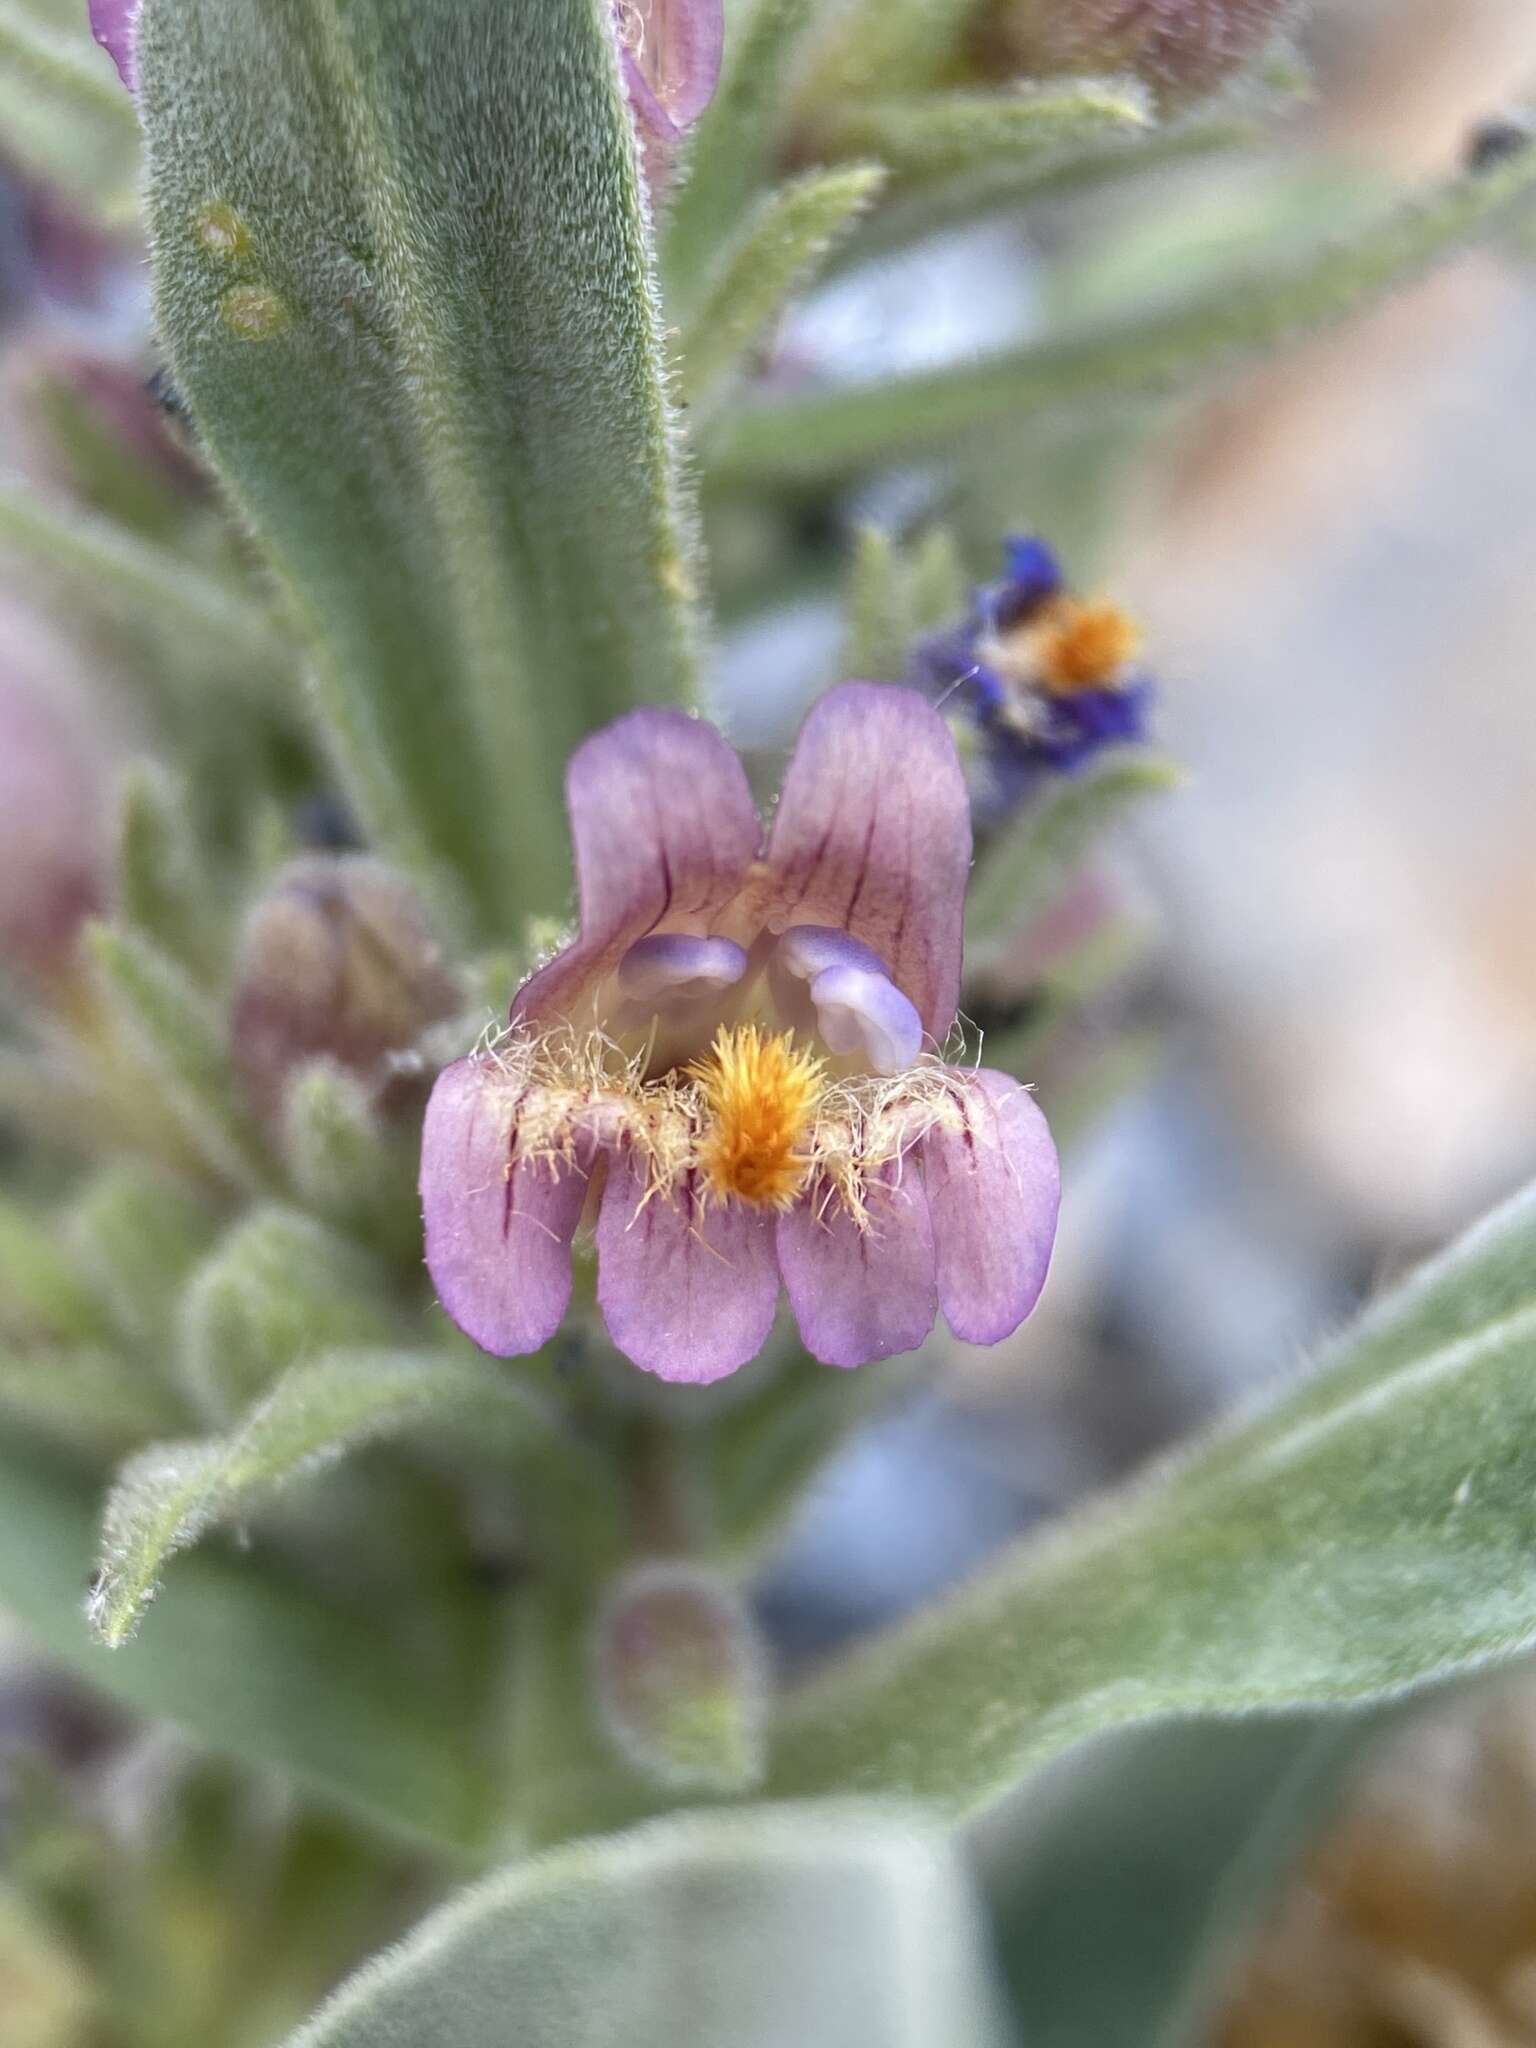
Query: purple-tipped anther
672	967
724	1073
807	950
865	1014
859	1010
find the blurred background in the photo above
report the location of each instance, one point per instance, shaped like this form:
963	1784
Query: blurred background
1313	1057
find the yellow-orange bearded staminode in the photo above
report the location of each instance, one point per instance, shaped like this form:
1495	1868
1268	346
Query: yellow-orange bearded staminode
1082	646
734	1073
761	1091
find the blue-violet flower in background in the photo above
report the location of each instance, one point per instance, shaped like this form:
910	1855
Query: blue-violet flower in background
1035	682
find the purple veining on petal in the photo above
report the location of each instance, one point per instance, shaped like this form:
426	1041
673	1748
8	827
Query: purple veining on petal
673	967
498	1230
994	1187
687	1290
114	24
872	836
664	828
864	1013
861	1294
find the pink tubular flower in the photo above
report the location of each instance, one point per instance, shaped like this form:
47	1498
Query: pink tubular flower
736	1063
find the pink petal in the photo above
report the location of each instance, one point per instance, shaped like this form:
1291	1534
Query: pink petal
687	1291
664	829
993	1189
671	60
115	24
861	1294
873	836
498	1234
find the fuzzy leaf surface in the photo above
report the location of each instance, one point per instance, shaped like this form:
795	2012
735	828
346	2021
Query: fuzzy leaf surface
775	254
946	134
251	1662
1228	321
1053	832
172	1494
403	275
829	1927
1368	1534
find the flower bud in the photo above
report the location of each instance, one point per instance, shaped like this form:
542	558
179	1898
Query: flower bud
53	866
682	1678
338	961
671	53
1183	49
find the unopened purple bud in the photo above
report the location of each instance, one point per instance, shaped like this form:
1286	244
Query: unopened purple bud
682	1678
53	869
671	51
338	961
1183	49
115	25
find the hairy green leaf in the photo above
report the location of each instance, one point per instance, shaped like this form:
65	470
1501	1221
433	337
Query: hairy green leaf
1368	1534
113	574
407	292
136	1233
278	1289
935	581
876	641
895	593
345	1163
828	1927
919	210
163	889
172	1494
1054	831
774	255
943	134
1228	321
730	153
171	1027
252	1663
44	1293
